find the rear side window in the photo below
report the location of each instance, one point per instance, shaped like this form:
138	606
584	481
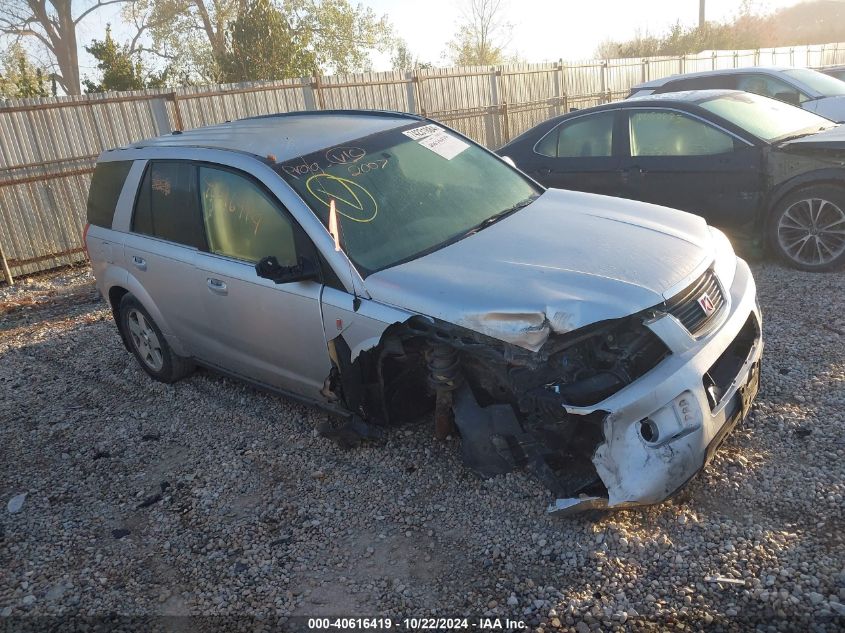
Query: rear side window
587	136
168	204
106	185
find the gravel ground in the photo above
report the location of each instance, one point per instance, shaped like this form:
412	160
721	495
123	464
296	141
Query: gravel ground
210	498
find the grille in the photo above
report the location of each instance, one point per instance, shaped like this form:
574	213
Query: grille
685	305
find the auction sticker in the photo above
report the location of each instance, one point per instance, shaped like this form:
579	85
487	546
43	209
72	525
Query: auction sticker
421	132
444	144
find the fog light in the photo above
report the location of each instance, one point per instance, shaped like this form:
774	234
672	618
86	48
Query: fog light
649	430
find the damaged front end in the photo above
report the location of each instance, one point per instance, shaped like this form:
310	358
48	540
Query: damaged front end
513	408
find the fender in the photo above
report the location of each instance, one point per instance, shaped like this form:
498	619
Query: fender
131	283
828	175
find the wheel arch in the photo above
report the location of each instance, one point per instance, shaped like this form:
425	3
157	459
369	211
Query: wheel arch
831	176
130	285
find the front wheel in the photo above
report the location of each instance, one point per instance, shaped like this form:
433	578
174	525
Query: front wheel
148	343
807	228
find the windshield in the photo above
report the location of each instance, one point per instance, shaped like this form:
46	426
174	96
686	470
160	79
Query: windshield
825	85
405	192
768	119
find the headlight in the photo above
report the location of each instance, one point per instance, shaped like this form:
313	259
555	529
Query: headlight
725	264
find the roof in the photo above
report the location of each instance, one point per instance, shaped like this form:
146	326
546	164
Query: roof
287	135
688	96
656	83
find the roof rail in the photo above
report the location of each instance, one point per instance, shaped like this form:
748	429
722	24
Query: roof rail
359	112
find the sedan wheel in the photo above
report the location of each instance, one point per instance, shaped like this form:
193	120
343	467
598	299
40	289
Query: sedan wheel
809	230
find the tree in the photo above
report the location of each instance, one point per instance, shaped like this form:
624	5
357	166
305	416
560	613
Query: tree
20	78
261	46
482	35
403	59
333	34
121	68
52	24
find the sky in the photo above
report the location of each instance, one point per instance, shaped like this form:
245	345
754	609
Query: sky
542	30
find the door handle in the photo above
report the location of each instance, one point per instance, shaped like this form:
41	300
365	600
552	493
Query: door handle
140	262
217	286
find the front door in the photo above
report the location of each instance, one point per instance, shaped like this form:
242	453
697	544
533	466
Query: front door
680	161
269	332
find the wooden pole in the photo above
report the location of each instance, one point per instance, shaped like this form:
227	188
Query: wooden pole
6	272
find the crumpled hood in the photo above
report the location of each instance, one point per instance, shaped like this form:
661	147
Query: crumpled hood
567	260
831	139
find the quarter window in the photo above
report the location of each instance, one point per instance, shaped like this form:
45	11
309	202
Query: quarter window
583	137
242	221
167	205
106	185
674	134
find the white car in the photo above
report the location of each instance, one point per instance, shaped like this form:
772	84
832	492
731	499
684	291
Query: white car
384	267
809	89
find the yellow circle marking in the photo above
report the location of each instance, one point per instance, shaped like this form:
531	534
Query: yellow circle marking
346	193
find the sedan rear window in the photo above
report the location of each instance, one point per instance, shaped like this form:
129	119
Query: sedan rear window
405	192
106	185
768	119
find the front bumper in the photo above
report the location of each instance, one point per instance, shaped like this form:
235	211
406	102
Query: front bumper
665	427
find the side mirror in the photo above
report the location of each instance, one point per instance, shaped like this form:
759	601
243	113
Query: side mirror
270	268
788	97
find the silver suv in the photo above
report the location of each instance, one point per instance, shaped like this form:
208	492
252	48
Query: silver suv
386	268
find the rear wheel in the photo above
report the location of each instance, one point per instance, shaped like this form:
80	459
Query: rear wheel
148	343
807	228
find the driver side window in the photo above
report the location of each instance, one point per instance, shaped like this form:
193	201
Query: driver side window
242	221
770	87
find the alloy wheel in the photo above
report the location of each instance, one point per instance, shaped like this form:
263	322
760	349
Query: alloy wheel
145	340
812	231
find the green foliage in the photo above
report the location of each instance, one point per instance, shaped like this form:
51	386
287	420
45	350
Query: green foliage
262	46
20	77
245	40
807	23
120	68
403	59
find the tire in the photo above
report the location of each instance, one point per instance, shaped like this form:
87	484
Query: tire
807	228
148	343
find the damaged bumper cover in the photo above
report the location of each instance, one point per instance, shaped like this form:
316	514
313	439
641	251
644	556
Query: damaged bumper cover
664	428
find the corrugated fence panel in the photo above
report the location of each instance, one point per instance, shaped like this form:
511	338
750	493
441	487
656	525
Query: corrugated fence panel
48	145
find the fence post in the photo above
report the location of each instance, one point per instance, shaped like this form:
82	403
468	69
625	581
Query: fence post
558	87
319	102
713	60
494	125
177	113
6	272
564	87
603	81
409	92
418	87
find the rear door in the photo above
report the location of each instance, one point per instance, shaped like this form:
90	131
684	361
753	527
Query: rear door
579	154
165	235
679	160
268	332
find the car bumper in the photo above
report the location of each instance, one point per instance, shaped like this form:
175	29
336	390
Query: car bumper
664	428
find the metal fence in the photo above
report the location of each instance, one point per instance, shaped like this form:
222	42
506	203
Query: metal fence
48	146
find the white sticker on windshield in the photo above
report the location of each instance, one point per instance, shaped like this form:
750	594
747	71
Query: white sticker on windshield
421	132
444	144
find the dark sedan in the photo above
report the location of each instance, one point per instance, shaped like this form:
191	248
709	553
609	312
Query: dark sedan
837	72
760	169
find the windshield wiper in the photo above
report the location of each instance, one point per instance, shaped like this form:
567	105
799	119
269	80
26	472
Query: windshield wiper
501	215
